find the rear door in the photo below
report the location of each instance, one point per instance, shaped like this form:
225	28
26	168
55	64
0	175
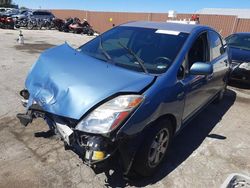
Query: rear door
219	60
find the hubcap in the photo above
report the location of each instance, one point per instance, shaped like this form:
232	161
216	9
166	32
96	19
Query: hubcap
158	147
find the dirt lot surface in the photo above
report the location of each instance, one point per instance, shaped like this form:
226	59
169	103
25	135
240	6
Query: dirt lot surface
215	144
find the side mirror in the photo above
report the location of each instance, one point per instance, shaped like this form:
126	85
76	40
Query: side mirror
200	68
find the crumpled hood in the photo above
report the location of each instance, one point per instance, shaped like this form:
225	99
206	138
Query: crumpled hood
68	83
238	54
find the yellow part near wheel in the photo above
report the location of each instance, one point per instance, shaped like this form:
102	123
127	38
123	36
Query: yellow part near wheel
98	155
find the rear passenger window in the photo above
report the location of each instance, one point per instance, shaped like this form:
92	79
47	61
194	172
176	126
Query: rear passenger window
215	45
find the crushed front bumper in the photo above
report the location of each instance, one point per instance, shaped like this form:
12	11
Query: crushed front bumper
95	150
100	152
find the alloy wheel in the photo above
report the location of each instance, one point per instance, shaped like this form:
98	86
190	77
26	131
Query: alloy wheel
158	147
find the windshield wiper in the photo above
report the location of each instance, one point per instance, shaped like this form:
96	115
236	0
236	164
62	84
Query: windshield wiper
138	59
103	50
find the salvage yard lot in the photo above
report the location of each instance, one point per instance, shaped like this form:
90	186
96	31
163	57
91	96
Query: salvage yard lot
215	144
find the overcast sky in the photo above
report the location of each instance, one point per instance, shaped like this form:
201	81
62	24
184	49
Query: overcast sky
182	6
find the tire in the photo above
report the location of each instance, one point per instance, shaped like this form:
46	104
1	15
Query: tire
40	26
30	26
12	26
154	148
50	26
91	32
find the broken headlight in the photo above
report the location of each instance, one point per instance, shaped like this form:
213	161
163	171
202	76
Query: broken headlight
109	115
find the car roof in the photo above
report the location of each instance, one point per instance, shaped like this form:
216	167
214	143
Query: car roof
41	11
180	27
241	33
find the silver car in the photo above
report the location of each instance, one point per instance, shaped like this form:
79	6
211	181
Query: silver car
41	14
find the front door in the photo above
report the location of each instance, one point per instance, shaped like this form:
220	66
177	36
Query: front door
195	85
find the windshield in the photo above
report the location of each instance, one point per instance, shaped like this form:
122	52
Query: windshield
239	41
137	48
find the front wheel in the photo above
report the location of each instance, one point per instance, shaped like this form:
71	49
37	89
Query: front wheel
30	26
154	148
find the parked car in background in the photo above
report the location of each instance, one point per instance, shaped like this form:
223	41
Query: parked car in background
6	22
41	14
10	12
127	92
239	54
3	9
23	14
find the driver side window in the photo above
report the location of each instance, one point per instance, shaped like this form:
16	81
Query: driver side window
199	52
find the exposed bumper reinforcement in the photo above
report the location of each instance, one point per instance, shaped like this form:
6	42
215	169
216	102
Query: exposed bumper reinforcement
25	119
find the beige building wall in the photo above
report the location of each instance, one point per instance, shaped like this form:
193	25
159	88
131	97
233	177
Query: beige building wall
102	21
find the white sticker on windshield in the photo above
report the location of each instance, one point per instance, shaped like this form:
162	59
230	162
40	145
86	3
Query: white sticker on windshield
161	66
168	32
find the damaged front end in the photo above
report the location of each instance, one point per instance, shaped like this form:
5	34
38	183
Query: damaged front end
93	149
97	149
86	110
93	137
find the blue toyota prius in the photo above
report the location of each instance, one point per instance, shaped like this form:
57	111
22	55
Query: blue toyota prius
126	93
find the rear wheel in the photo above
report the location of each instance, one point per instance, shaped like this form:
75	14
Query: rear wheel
154	149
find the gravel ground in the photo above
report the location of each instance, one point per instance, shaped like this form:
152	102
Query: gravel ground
215	144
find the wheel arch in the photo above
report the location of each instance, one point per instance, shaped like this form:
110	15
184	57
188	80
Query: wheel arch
169	117
129	155
171	121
